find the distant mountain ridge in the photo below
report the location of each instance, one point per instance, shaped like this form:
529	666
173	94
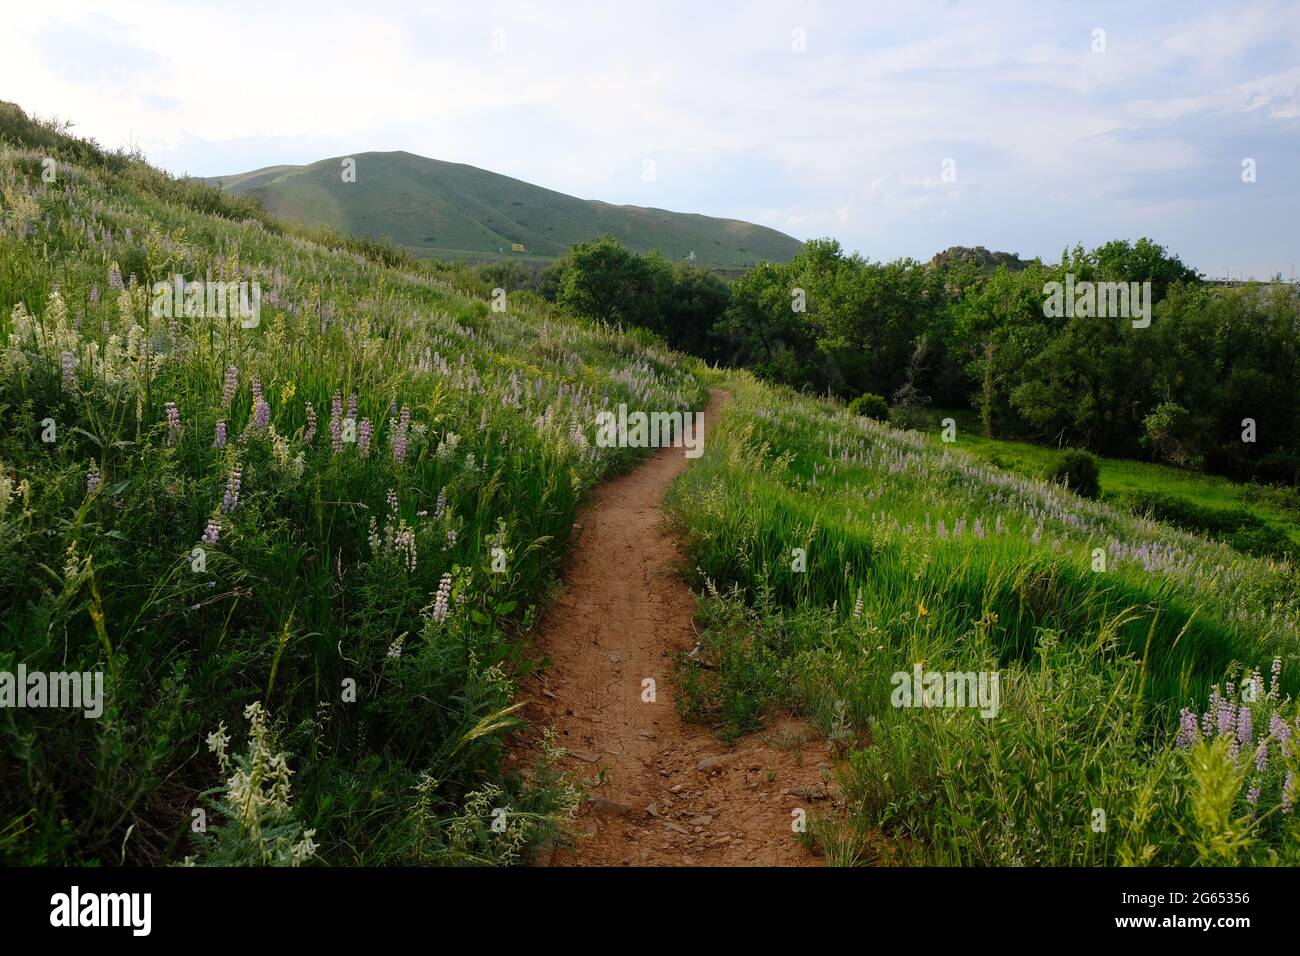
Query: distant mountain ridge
455	211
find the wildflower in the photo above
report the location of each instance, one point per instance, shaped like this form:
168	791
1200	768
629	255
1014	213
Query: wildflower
921	610
261	410
364	430
1288	791
441	600
451	539
440	507
217	743
173	423
310	432
229	386
1245	732
93	478
115	278
857	606
1280	731
1252	795
304	849
399	435
219	436
336	423
69	363
231	499
94	295
1188	734
395	648
212	533
1226	718
447	447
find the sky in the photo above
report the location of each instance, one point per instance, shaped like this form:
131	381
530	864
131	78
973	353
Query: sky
899	129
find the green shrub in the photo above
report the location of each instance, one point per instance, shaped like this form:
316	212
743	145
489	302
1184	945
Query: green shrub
1078	471
870	405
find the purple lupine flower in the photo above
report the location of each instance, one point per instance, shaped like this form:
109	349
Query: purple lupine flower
1188	734
219	439
364	430
1261	756
93	478
399	436
69	363
310	433
261	410
1245	728
352	407
336	423
1207	719
212	533
1280	731
173	423
94	295
978	529
115	279
228	388
1252	795
1226	718
231	500
441	603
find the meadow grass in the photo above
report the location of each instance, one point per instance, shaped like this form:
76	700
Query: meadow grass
914	553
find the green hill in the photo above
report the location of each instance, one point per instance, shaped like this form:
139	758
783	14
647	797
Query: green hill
454	211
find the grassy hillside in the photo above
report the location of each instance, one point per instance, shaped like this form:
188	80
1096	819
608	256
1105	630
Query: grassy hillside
454	211
305	547
1157	688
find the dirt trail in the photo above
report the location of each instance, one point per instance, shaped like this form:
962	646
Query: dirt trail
673	793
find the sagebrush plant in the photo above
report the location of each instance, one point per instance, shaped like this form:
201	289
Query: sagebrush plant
915	553
347	510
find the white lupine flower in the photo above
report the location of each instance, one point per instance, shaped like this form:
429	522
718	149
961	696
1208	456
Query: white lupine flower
441	602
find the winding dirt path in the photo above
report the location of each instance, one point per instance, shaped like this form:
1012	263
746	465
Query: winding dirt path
672	794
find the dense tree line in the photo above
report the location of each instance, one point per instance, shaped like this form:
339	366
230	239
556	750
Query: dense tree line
1174	377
